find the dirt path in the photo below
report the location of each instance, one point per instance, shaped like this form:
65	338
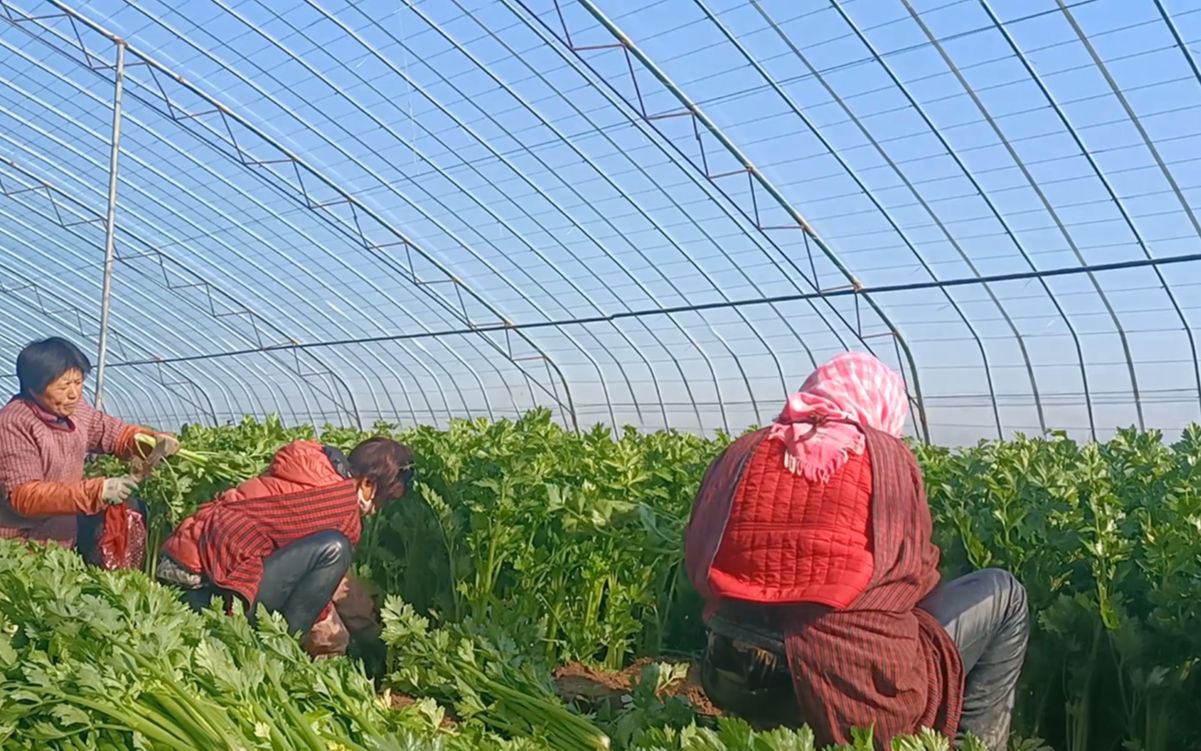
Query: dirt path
578	682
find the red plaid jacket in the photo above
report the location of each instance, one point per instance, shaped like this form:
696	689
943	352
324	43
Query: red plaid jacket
228	539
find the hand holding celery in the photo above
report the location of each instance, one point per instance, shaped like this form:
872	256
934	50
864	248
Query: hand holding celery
213	463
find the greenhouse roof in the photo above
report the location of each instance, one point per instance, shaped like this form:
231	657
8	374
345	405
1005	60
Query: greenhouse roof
660	213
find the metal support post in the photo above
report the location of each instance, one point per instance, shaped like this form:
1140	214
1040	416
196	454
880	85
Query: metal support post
110	223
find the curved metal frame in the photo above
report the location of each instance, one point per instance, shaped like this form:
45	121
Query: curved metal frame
11	336
189	278
536	317
354	227
379	123
53	213
693	111
344	211
38	296
1100	175
648	129
992	207
1159	162
608	221
888	215
257	334
198	231
194	279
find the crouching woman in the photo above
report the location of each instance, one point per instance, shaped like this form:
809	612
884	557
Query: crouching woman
285	540
810	541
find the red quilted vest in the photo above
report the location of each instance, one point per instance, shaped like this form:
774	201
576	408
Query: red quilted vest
861	547
790	540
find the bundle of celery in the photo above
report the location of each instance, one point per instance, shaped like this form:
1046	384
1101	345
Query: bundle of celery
485	681
182	483
224	465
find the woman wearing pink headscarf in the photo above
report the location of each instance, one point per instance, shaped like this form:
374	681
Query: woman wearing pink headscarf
810	541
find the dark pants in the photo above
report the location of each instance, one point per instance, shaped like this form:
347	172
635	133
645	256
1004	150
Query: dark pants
745	669
299	580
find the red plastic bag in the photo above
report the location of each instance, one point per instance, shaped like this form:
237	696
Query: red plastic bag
121	539
353	611
328	637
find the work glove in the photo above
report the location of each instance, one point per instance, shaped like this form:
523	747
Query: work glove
144	463
117	490
166	443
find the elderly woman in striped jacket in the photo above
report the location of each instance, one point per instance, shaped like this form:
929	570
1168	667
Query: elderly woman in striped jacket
47	431
810	541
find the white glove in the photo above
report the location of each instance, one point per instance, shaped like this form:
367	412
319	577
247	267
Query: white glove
168	442
118	490
144	462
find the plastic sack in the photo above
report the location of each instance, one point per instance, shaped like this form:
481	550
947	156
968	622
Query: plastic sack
353	611
355	606
328	637
120	539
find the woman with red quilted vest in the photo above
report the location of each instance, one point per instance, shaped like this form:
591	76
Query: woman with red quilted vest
810	541
284	540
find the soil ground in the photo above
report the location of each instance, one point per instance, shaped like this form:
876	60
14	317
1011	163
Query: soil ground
400	701
578	682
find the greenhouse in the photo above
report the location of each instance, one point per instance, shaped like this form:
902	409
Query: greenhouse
659	217
564	253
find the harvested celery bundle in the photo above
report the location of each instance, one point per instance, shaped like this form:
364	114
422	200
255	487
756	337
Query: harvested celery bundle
219	464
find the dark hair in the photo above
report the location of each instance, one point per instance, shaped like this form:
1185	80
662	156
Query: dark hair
386	463
42	363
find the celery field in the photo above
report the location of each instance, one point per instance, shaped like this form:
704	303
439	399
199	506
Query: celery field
531	597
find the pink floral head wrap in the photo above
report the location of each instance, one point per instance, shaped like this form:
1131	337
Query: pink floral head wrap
820	424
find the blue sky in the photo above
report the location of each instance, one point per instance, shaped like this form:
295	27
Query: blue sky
375	152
